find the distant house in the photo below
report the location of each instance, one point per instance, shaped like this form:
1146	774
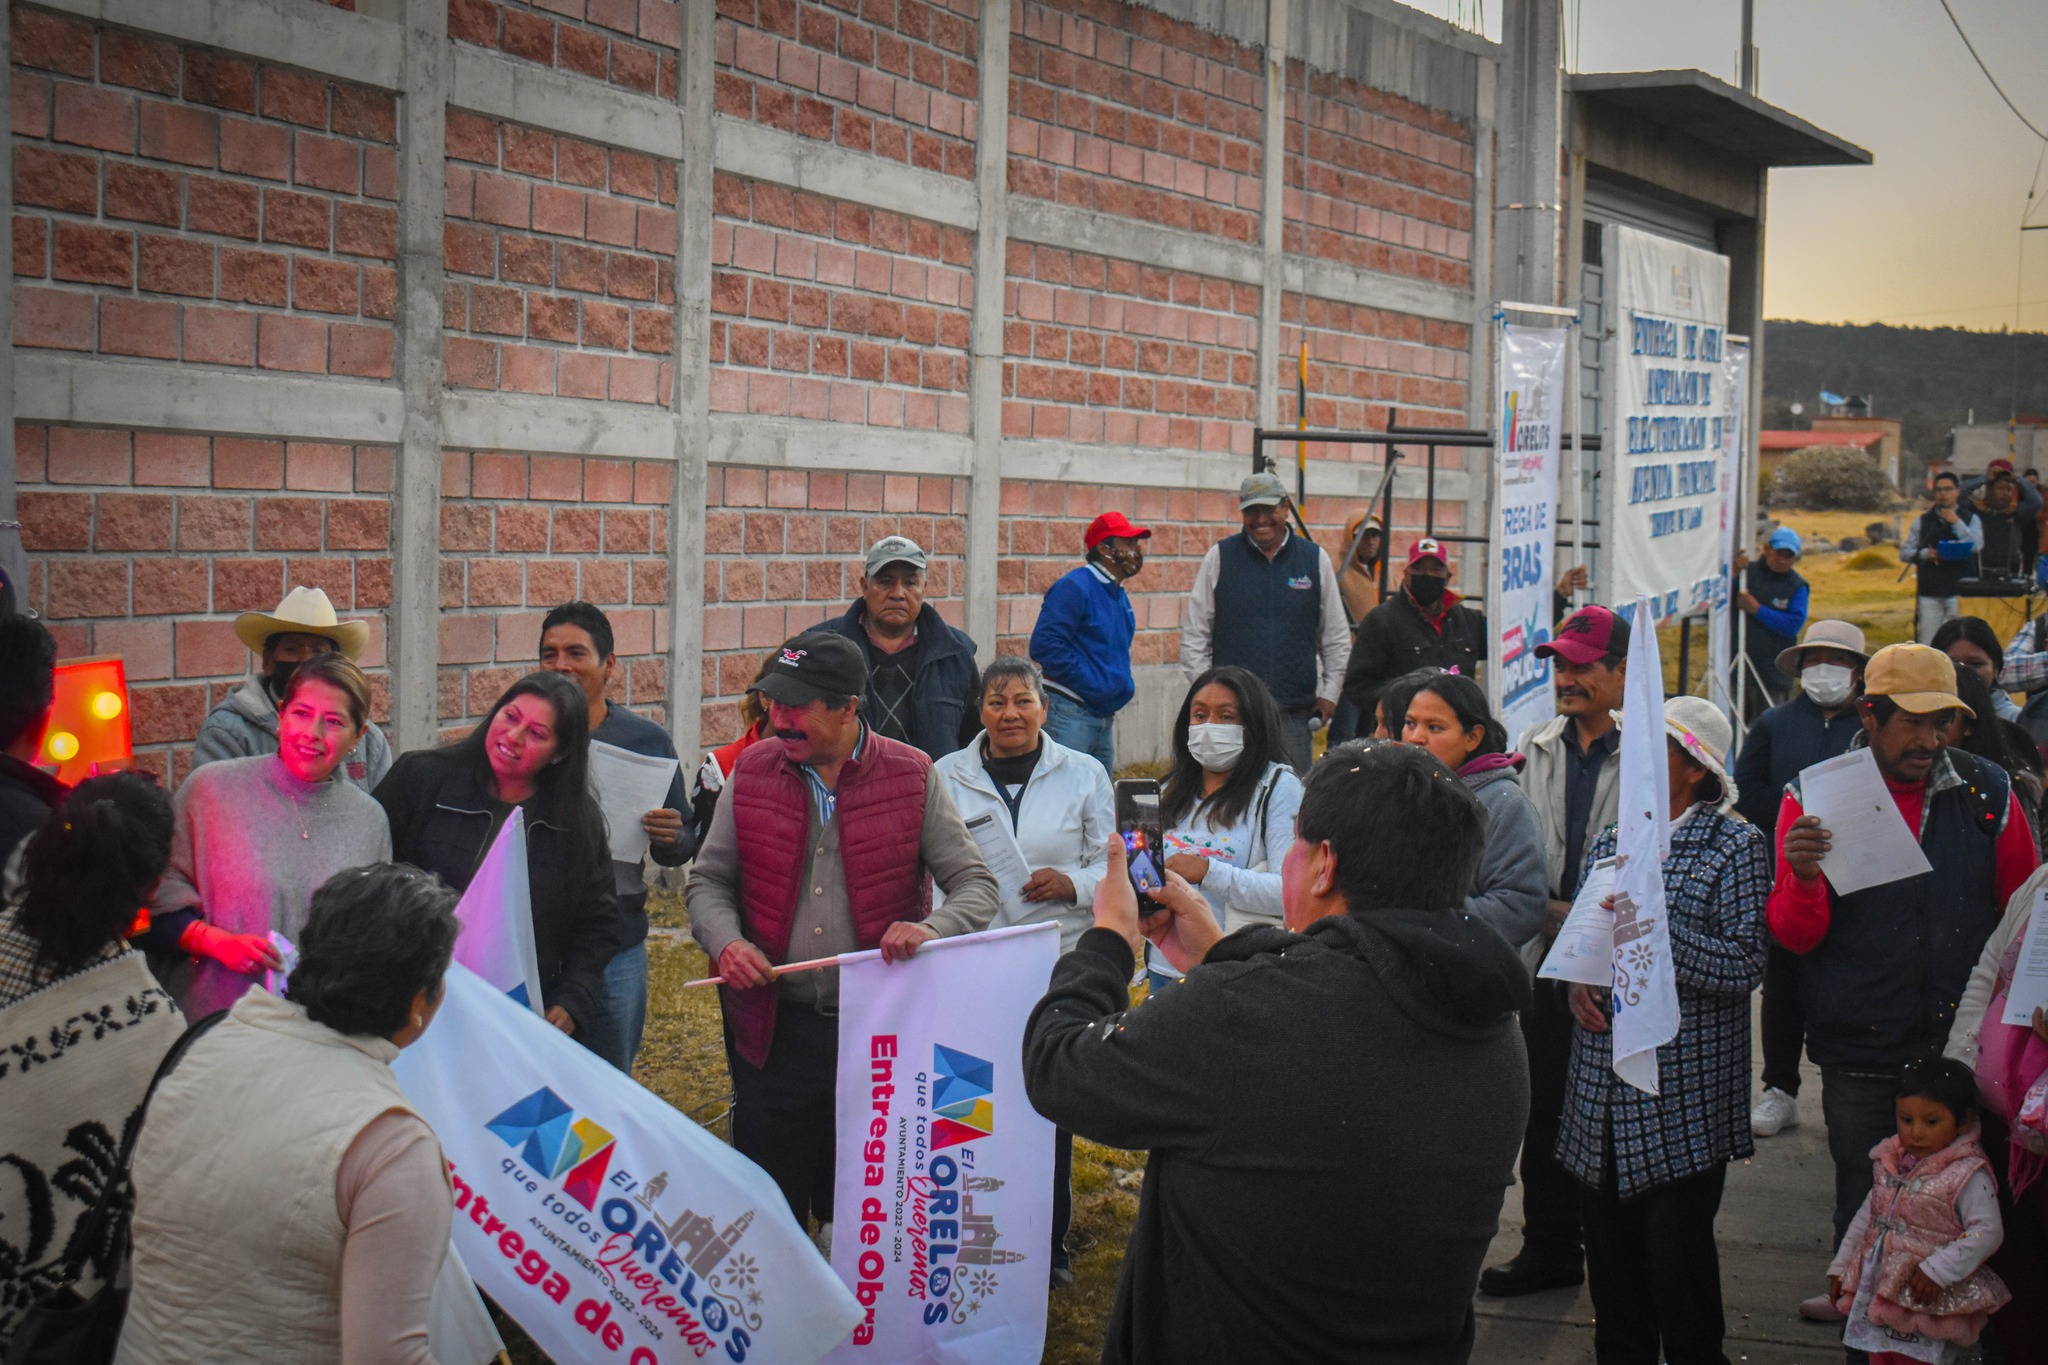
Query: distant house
1868	435
2024	441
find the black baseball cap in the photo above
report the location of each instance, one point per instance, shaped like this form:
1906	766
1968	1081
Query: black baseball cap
815	664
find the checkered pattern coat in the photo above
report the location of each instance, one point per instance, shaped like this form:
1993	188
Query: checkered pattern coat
1715	884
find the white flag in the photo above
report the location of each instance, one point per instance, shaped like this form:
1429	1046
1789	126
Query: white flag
1645	991
610	1227
496	913
942	1211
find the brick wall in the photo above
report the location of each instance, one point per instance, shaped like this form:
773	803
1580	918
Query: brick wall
146	545
561	270
178	204
522	534
784	549
628	43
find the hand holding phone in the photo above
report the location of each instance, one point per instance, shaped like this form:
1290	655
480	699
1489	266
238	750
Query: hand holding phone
1139	824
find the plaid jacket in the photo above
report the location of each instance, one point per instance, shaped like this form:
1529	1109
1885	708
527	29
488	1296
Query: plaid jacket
1715	885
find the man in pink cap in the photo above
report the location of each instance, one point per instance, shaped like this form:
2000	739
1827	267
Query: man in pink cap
1422	626
1082	642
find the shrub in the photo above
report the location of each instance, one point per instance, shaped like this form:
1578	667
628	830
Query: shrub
1870	560
1832	476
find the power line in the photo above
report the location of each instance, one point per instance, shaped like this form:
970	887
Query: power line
2016	112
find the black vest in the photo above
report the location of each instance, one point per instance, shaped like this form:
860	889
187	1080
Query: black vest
1269	616
1885	981
1763	644
1941	577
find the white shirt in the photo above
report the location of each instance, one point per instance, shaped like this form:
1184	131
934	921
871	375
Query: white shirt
1198	619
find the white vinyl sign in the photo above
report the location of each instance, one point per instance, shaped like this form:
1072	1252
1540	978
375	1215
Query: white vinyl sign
1531	385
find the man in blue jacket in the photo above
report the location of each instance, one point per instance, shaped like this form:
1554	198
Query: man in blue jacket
1082	642
1773	595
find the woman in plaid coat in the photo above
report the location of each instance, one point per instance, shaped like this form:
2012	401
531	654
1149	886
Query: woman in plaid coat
1653	1166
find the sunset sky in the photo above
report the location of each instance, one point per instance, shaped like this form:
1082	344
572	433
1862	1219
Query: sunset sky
1929	235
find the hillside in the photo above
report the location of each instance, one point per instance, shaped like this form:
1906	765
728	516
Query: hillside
1929	377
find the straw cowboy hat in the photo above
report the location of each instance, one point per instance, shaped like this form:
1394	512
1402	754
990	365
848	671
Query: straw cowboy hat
304	611
1704	733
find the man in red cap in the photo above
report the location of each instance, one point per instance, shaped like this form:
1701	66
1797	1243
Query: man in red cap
1082	642
1422	626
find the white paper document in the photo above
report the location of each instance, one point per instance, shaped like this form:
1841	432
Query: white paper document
1005	863
1584	948
2029	989
1870	843
628	786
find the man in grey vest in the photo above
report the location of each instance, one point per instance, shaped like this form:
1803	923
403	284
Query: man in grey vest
1267	600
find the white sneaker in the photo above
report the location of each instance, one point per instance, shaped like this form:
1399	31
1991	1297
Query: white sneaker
1774	1113
823	1238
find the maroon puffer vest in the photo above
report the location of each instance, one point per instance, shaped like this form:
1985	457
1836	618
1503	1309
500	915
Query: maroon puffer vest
881	819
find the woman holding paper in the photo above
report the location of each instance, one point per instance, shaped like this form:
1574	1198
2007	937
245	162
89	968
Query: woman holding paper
256	837
532	752
1652	1167
289	1203
1053	804
2011	1063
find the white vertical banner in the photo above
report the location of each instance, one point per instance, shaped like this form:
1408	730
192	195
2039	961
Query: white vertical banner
1530	378
610	1226
496	914
942	1210
1645	990
1661	514
1726	685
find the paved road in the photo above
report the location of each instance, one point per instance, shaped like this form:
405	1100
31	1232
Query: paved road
1773	1233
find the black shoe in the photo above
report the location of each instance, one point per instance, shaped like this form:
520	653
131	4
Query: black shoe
1062	1276
1532	1274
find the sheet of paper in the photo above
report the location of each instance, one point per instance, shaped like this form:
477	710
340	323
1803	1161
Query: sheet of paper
1584	948
628	786
2029	989
1870	843
1005	862
274	982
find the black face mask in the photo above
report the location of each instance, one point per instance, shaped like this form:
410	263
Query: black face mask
1427	591
281	673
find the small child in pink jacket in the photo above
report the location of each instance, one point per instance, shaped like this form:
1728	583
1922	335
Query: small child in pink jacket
1910	1273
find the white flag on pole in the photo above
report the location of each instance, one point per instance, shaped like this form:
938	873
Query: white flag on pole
610	1227
1645	991
942	1216
496	914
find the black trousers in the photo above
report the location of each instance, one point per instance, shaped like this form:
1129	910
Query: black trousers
1783	1020
784	1114
1550	1195
1654	1272
1062	1194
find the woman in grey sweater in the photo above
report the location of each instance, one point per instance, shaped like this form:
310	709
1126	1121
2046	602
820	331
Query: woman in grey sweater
1447	715
256	837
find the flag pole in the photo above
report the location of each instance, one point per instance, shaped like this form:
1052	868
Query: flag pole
813	965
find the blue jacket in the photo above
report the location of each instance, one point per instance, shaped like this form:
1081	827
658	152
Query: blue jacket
945	696
1082	640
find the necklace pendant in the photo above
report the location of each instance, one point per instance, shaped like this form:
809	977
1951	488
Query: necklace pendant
304	834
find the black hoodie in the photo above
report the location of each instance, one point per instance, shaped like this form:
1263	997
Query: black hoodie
1332	1118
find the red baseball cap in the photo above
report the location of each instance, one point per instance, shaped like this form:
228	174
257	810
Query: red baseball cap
1428	548
1999	466
1587	634
1113	524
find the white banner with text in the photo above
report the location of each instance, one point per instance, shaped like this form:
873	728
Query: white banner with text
1531	383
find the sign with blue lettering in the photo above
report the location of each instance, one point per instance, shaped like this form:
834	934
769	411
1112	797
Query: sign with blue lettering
1531	384
1669	412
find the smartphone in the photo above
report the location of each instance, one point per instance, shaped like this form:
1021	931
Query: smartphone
1144	836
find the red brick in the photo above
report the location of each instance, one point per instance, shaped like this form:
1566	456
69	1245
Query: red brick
213	77
175	265
225	207
380	292
358	524
298	219
373	469
525	260
364	113
51	43
363	351
380	173
133	521
576	530
373	584
294	97
174	461
326	163
335	577
211	649
529	151
88	587
84	455
582	375
254	277
213	524
173	585
247	464
220	336
142	195
94	118
496	583
288	523
320	468
144	647
500	312
470	364
56	180
164	715
247	584
471	138
366	230
502	200
55	521
555	478
93	255
140	327
526	369
57	319
529	36
179	133
320	286
291	343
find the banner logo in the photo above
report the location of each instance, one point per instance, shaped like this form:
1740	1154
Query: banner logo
960	1096
551	1139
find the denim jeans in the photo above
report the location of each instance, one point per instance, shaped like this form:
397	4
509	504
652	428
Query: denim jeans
1074	725
615	1034
1857	1107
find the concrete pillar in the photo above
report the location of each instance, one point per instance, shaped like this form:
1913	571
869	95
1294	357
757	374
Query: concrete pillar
1526	193
7	295
693	382
1273	209
414	648
1479	385
985	379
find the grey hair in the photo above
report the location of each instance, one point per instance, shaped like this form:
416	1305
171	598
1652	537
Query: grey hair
1010	668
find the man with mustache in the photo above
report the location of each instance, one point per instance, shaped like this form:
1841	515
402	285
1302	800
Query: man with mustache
1883	967
1571	775
826	840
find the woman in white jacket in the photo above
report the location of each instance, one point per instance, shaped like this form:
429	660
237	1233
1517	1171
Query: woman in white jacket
1055	802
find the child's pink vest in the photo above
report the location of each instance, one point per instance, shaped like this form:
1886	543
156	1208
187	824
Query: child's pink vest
1915	1211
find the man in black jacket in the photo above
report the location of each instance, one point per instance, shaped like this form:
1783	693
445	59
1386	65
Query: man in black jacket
923	686
28	668
1332	1113
1422	626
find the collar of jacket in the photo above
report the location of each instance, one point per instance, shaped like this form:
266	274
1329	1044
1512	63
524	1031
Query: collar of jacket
963	765
1436	622
460	795
252	702
935	638
1940	778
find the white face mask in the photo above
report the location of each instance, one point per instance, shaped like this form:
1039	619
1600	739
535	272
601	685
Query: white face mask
1216	747
1827	684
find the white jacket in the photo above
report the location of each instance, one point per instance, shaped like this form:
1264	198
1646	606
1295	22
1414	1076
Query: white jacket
1065	821
1965	1035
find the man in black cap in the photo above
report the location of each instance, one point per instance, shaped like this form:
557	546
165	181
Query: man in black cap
826	840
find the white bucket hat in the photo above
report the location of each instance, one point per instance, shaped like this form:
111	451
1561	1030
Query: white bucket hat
304	611
1700	727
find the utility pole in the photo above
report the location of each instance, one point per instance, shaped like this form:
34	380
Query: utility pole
1749	47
